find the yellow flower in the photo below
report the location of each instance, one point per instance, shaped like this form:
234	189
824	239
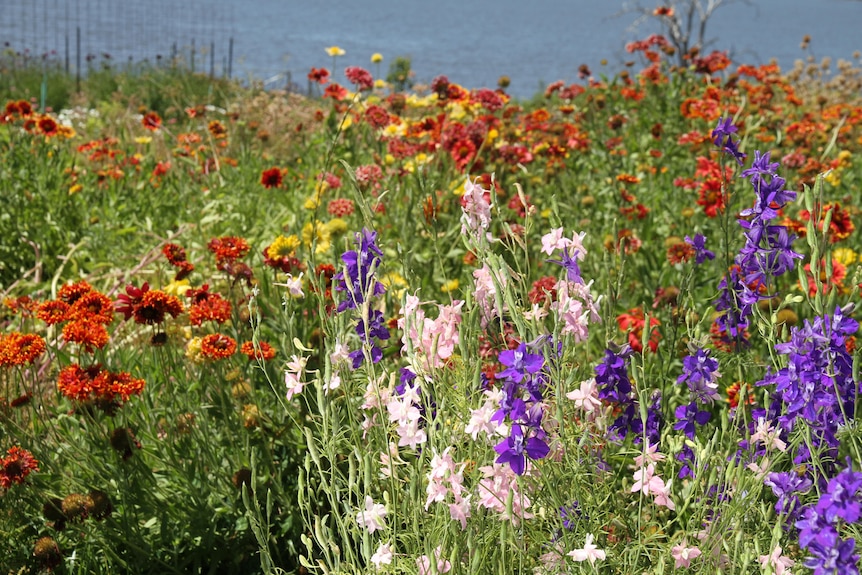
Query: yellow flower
389	159
283	247
143	140
178	288
193	350
335	51
376	58
379	83
75	189
395	284
450	286
845	256
336	227
317	234
348	121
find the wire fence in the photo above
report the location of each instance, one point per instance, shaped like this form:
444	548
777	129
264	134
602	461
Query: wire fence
77	34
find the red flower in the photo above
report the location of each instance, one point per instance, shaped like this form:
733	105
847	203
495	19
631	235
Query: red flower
264	351
377	117
634	322
151	121
335	91
174	253
217	346
271	178
16	466
543	288
319	75
360	77
340	207
48	126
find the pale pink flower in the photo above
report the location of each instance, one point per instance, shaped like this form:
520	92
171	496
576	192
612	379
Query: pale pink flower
768	435
651	454
661	493
642	478
537	312
682	554
372	517
383	555
460	511
293	376
586	397
589	553
485	292
476	216
410	435
424	563
554	240
780	564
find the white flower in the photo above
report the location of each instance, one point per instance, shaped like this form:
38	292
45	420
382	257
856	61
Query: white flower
589	553
372	517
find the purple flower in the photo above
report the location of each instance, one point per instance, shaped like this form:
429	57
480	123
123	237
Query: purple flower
699	372
701	254
689	417
612	377
520	363
786	486
360	266
515	450
843	497
570	263
722	136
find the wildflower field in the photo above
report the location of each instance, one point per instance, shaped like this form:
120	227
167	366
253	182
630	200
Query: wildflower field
611	329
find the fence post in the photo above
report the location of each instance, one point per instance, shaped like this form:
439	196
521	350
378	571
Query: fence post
78	59
212	59
230	58
193	55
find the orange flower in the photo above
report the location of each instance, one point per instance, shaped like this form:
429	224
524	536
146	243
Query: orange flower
70	293
111	385
335	91
154	305
93	305
679	252
217	346
217	130
839	272
228	249
16	466
53	312
212	308
175	254
264	351
87	332
18	349
76	383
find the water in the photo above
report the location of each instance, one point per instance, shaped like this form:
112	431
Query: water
472	42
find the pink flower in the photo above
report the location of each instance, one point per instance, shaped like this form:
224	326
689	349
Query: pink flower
682	554
779	563
372	517
589	553
554	240
293	376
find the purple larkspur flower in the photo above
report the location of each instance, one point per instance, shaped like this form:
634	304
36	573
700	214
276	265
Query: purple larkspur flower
689	417
516	448
701	254
570	264
722	136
